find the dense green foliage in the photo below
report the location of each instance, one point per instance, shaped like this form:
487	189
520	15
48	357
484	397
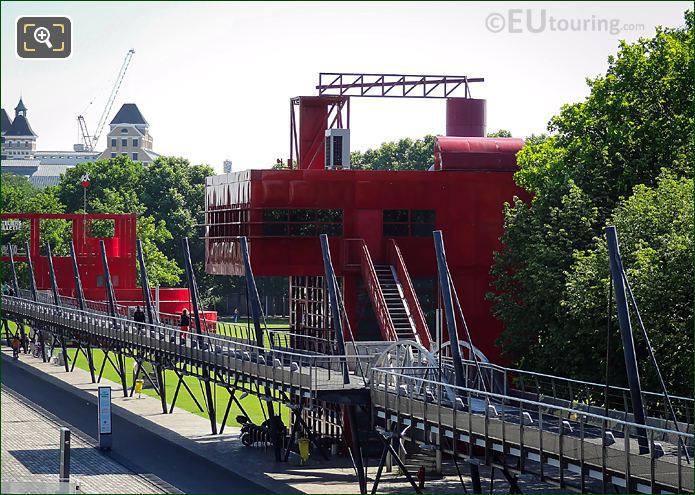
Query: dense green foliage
502	133
549	291
656	237
404	154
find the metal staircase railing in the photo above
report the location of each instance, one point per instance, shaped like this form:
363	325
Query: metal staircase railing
421	328
395	303
371	281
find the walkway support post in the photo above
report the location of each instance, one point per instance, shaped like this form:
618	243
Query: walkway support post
331	283
356	450
193	290
254	302
32	278
616	266
52	273
112	309
110	296
252	291
35	297
79	293
152	317
445	285
56	301
15	284
15	288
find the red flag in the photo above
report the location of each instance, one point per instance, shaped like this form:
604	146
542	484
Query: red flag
85	180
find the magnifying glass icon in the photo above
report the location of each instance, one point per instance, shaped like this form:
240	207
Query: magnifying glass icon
43	35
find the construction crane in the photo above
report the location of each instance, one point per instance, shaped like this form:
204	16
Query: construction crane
89	142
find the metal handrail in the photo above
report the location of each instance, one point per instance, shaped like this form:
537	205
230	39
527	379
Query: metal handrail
115	327
584	442
169	319
376	295
492	397
421	327
572	390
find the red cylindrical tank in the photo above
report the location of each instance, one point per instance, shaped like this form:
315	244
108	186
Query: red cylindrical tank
476	153
466	117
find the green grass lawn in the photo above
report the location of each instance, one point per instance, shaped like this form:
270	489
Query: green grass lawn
243	330
272	322
184	401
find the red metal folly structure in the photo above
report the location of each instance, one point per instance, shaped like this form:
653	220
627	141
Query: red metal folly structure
379	223
119	235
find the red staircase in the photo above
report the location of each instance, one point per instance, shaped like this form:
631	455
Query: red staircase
393	298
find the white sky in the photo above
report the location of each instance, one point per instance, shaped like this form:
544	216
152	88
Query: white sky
214	79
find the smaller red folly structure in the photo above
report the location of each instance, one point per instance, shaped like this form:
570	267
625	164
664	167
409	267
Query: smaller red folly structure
18	228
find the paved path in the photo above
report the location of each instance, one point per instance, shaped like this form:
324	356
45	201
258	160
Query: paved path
30	448
144	450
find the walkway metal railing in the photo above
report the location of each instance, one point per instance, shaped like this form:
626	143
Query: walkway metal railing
282	368
238	331
585	395
548	440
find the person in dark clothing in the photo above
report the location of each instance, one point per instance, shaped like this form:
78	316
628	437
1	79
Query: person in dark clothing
276	429
139	315
25	342
39	344
139	318
185	324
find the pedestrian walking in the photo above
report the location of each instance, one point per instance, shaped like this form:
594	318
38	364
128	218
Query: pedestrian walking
16	344
39	344
184	325
25	343
139	319
236	315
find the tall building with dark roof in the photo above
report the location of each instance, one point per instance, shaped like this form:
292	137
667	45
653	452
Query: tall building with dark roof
5	124
129	135
19	138
20	157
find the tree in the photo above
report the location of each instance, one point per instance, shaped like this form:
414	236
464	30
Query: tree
16	190
404	154
118	176
57	232
637	119
173	191
655	230
167	196
502	133
19	196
